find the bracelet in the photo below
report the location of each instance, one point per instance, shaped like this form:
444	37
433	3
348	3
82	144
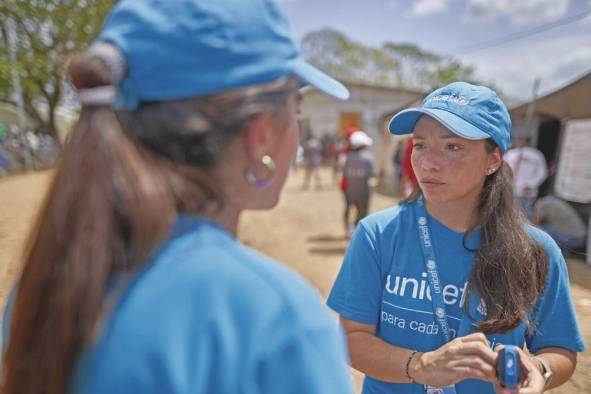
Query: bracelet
408	365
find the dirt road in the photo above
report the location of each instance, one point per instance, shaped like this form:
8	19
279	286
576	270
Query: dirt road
304	232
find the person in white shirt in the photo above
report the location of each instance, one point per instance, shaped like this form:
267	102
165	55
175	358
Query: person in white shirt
529	171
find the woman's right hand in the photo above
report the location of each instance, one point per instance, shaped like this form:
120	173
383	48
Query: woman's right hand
468	357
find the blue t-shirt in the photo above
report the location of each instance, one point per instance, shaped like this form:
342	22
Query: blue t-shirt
383	282
209	315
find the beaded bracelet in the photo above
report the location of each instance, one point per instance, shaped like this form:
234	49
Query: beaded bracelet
408	365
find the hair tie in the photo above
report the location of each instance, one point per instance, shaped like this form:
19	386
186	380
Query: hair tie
99	96
112	57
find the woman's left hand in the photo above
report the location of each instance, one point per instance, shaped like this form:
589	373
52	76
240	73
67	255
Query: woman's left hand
532	381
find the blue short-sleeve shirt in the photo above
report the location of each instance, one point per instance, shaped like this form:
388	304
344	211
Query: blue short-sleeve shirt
209	315
383	282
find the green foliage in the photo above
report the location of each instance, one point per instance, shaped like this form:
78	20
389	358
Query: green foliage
333	52
48	32
396	64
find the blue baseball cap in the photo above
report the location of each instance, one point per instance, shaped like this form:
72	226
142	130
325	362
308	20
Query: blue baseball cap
177	49
469	111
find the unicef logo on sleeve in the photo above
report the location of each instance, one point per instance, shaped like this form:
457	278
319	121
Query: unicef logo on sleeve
422	221
482	307
439	312
430	265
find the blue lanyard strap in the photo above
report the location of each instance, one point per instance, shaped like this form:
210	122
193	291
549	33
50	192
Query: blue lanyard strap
431	266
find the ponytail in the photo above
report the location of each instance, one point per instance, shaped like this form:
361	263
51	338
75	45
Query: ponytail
104	213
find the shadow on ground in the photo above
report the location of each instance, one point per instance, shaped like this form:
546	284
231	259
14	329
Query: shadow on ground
327	244
327	238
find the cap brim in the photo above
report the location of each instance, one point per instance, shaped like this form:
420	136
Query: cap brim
320	80
404	123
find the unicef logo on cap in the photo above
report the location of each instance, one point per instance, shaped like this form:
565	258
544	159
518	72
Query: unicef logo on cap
422	221
449	98
431	265
439	312
462	100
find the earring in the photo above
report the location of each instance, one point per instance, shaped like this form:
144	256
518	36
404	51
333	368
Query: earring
262	183
490	171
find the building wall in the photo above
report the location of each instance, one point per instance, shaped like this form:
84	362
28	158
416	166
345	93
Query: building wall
322	115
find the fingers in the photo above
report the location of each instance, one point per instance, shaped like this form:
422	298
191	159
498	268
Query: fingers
532	381
501	390
475	337
474	367
477	348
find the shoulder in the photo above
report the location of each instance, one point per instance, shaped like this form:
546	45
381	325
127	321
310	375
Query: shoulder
545	241
200	279
230	266
389	220
220	294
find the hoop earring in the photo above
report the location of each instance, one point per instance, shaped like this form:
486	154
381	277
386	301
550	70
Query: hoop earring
262	183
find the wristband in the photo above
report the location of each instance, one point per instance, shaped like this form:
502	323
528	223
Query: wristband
408	365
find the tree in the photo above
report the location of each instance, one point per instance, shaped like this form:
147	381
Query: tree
48	32
333	52
395	64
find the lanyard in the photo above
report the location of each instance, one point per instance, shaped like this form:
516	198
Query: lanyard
434	283
431	266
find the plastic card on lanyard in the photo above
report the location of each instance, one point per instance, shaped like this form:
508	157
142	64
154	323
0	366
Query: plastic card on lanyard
435	284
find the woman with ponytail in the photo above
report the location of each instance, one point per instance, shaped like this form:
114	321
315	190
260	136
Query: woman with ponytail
134	281
432	290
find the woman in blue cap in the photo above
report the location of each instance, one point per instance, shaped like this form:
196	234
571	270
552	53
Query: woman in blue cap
430	290
134	281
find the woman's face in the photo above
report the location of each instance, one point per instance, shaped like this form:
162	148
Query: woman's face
449	168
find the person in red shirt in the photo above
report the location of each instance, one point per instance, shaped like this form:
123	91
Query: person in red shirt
409	180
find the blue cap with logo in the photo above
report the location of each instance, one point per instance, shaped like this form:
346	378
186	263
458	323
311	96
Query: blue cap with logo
469	111
176	49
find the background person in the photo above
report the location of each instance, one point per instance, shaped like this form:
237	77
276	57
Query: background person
135	281
529	172
409	179
357	172
312	161
430	288
397	159
561	221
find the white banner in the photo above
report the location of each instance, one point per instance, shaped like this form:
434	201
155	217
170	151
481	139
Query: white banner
573	178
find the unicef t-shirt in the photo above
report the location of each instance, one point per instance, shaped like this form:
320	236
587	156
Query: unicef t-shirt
383	282
209	315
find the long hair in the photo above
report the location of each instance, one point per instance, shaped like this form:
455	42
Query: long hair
122	180
510	268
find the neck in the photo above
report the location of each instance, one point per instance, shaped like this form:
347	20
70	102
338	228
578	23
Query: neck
227	218
459	215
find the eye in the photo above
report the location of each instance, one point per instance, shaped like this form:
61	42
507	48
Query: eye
452	147
417	145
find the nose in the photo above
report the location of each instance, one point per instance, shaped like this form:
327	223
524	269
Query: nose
428	160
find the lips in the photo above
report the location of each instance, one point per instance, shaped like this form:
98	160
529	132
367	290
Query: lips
433	182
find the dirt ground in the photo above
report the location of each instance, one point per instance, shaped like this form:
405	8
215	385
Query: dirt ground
304	232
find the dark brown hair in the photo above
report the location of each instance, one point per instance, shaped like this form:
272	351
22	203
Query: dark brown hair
510	268
122	180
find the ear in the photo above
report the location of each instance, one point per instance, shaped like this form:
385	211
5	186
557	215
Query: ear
495	159
258	136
